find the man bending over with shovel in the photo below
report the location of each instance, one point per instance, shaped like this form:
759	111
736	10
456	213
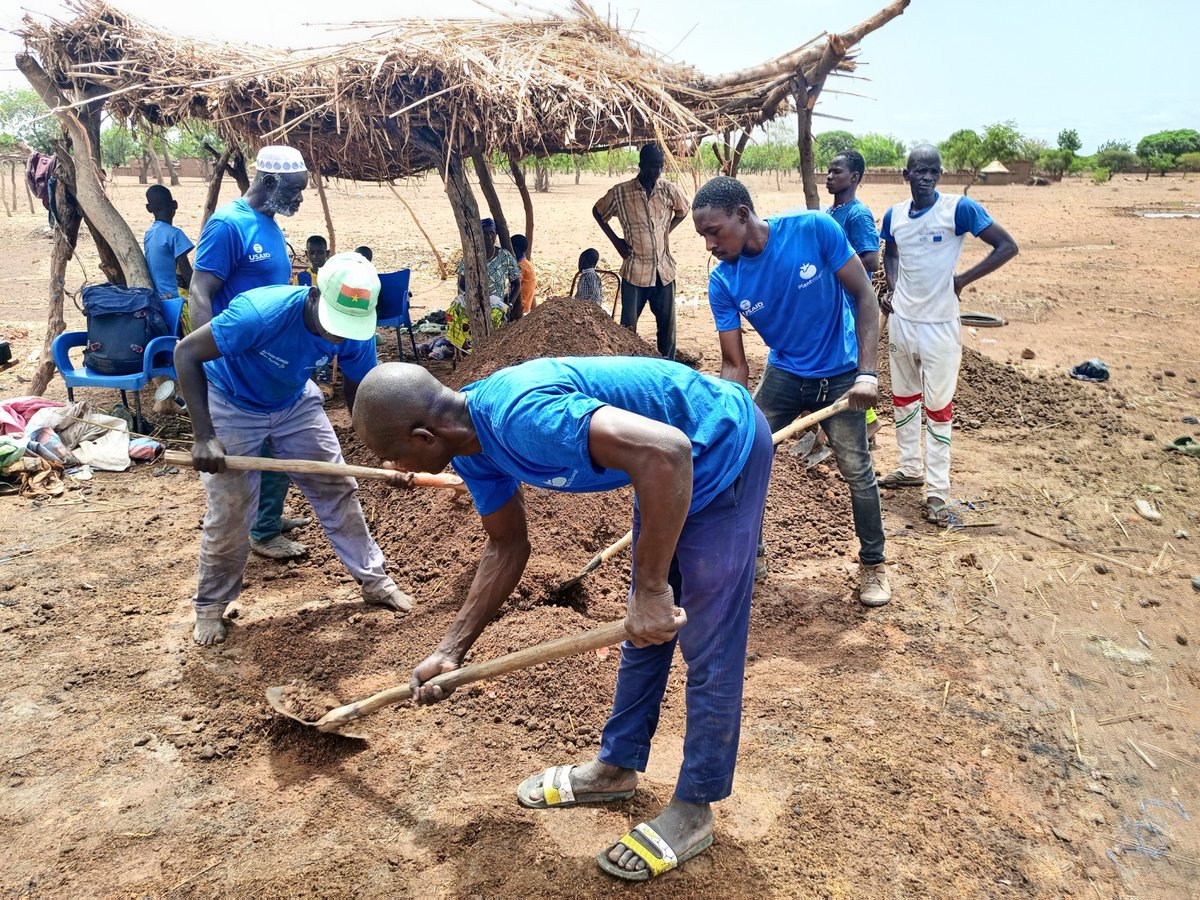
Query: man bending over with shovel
245	377
698	454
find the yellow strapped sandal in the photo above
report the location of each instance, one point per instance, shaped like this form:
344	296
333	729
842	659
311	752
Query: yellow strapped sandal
558	792
653	851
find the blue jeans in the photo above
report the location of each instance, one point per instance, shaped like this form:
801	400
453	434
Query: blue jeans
661	298
782	396
272	490
712	576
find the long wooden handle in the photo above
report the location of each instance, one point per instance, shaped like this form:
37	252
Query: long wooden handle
778	437
800	424
604	636
316	467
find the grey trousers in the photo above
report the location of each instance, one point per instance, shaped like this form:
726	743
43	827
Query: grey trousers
302	431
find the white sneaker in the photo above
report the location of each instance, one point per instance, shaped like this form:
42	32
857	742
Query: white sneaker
874	589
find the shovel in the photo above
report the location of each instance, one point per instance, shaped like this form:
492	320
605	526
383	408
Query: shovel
778	437
317	467
336	719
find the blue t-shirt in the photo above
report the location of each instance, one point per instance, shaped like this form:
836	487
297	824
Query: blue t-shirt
969	216
245	249
533	423
268	354
164	244
790	293
858	223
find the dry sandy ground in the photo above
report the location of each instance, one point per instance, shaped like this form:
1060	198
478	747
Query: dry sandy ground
974	738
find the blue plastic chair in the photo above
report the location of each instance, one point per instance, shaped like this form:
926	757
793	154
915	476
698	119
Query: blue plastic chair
392	310
159	359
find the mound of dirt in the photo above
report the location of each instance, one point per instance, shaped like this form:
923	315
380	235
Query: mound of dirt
991	394
561	326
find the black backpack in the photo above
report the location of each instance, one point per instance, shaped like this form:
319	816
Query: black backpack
121	321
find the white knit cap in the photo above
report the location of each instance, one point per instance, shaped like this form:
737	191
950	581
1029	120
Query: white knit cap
278	158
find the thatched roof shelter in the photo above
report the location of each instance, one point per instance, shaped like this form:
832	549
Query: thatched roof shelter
383	107
415	95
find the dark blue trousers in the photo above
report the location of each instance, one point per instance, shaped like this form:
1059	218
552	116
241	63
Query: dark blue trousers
712	575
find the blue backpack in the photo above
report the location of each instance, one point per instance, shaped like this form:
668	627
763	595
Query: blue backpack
121	321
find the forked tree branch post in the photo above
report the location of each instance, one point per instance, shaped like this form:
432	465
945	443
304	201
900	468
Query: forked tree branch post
102	216
466	214
66	233
213	197
514	166
488	186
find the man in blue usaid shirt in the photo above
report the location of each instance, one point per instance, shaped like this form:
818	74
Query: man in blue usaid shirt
698	454
245	377
793	278
242	247
846	171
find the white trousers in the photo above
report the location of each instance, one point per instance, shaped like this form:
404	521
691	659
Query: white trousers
924	362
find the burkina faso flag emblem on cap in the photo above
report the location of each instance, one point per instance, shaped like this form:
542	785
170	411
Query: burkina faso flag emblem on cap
354	298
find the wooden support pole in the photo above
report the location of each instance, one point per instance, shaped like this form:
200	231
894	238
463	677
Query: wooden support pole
172	169
66	233
213	197
488	186
325	209
29	195
514	166
4	195
103	219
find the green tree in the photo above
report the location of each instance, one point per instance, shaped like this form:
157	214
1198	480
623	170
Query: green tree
829	144
1115	156
118	146
1169	143
21	112
1054	162
1068	140
1030	149
880	150
1158	151
1189	162
966	149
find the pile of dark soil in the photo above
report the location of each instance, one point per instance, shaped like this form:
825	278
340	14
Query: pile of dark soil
991	394
561	326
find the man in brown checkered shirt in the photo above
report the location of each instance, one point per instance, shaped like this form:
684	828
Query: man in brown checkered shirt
648	209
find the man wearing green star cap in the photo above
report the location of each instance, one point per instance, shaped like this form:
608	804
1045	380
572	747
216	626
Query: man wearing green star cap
245	377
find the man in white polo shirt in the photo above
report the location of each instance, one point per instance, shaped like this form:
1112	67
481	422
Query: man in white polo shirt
923	239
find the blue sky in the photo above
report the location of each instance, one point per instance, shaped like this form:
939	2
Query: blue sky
941	66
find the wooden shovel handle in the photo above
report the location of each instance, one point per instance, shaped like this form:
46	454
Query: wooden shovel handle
779	436
316	467
799	425
604	636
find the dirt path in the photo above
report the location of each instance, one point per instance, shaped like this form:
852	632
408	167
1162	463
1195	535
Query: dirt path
951	744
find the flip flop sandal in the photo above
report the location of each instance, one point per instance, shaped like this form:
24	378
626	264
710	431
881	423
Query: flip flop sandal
653	851
898	479
939	514
558	793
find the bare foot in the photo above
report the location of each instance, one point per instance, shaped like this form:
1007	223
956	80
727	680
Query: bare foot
682	825
594	777
210	627
393	598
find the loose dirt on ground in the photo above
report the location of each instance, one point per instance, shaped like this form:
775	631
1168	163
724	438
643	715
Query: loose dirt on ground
982	736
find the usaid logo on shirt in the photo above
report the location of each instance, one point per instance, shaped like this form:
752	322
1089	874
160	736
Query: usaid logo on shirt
808	274
257	254
749	307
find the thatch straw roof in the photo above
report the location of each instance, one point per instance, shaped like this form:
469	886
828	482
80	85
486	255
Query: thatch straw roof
382	108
